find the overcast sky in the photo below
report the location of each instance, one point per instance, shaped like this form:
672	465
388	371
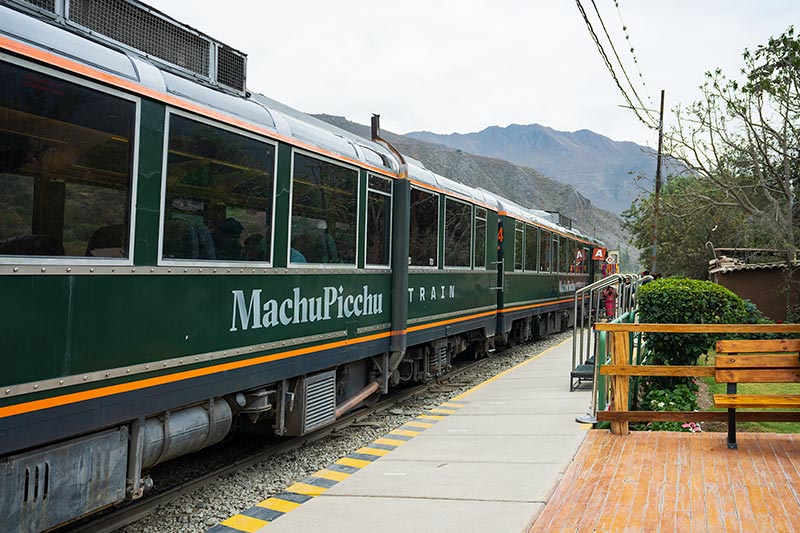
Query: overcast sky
461	66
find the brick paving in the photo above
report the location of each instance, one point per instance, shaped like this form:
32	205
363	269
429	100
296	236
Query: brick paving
666	481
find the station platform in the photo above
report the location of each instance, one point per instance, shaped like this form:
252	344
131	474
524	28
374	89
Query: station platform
487	460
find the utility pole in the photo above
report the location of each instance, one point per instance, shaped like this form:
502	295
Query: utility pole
658	183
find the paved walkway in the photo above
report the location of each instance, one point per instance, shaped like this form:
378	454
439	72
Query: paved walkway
490	465
665	482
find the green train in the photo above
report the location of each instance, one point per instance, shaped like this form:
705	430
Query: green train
178	254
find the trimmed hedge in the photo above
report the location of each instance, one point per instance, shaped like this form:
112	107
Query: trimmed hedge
686	301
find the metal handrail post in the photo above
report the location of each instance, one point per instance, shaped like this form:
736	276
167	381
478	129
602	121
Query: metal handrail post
575	329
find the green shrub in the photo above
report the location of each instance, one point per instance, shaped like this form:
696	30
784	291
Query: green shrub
686	301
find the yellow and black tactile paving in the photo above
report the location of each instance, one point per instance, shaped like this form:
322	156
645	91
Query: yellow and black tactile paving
295	495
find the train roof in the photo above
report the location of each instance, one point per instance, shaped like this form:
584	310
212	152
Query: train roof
256	109
420	175
53	35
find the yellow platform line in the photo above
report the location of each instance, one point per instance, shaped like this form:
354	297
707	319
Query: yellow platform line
306	489
415	424
276	504
349	461
332	475
440	410
390	442
431	417
404	432
244	523
453	405
373	451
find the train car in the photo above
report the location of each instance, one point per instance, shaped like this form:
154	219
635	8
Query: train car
178	253
544	263
452	278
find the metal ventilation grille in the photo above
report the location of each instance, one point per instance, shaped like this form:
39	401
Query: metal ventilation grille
230	68
131	25
320	400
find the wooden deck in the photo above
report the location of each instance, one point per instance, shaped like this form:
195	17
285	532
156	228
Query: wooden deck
667	481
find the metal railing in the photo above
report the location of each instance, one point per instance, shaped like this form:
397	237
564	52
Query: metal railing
589	308
587	343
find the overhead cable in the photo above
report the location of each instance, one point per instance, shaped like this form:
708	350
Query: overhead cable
609	66
631	47
621	65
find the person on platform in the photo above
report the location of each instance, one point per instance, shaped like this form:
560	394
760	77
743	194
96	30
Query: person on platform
609	295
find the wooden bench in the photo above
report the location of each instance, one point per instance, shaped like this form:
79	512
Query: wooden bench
755	361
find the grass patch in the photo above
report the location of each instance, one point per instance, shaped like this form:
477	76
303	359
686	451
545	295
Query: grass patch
752	388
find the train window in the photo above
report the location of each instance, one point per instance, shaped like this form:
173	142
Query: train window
554	254
583	267
423	243
66	167
379	220
531	247
545	252
563	257
570	256
480	237
457	233
218	204
518	240
324	201
573	260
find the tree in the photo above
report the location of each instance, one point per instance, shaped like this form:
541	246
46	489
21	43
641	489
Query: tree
740	142
740	159
684	230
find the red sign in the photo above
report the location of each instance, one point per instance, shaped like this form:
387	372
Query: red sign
579	255
599	254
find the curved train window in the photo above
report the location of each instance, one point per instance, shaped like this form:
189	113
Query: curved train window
480	237
531	247
573	248
379	220
66	167
518	240
423	242
324	207
545	251
583	267
218	204
563	257
554	254
457	233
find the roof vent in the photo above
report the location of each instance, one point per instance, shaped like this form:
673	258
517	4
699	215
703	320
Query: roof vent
148	32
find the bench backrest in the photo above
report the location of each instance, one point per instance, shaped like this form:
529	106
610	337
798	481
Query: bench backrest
758	361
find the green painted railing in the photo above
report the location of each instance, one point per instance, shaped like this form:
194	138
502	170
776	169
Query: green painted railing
604	356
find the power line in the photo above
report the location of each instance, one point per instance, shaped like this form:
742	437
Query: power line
630	43
619	60
608	64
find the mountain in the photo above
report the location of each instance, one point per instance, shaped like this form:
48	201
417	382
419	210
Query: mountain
524	185
603	170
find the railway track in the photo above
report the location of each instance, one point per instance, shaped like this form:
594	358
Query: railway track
117	518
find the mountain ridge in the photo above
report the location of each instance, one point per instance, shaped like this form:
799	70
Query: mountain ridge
605	170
